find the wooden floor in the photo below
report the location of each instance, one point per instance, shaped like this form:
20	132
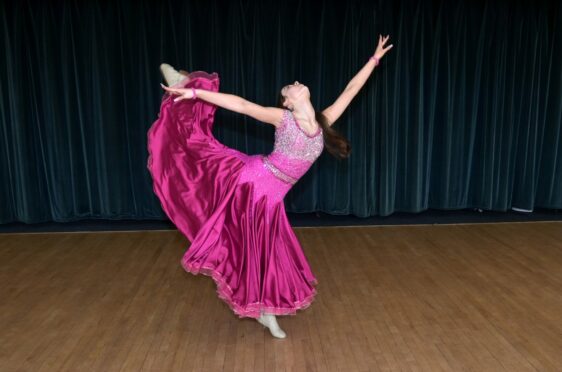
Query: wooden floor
483	297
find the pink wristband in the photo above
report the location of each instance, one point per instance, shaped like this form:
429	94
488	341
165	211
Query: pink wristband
375	59
194	94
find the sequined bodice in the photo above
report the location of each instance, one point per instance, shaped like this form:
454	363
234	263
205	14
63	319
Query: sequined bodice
294	150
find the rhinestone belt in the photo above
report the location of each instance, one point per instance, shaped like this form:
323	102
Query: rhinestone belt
277	173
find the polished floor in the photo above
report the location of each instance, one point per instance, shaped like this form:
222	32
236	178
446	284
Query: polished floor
463	297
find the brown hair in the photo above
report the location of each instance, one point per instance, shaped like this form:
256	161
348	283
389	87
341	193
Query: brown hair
335	143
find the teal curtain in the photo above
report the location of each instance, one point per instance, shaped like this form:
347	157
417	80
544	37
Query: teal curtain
464	112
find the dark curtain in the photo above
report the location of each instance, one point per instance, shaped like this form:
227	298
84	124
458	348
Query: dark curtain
464	112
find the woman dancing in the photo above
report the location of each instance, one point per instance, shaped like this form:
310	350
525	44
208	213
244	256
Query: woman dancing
230	204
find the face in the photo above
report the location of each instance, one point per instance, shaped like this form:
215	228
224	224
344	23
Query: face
294	92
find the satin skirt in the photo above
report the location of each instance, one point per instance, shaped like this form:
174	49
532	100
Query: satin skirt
230	207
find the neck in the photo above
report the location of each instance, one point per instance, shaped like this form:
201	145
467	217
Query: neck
304	113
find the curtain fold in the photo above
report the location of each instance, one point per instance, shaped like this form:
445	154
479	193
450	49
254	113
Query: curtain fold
464	112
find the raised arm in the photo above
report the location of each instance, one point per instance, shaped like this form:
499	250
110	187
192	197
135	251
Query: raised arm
335	110
270	115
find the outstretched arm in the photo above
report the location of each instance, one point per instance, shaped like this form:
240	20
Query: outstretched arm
270	115
334	111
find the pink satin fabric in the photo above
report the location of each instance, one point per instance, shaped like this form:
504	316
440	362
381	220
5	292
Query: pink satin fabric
230	206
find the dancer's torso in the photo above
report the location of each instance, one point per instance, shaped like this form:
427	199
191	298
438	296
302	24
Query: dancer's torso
294	150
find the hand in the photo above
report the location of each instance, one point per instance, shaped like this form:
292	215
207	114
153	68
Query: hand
182	93
381	50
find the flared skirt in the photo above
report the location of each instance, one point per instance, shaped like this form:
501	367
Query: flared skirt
230	207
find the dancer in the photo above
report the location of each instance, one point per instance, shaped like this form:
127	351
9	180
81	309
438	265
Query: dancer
230	204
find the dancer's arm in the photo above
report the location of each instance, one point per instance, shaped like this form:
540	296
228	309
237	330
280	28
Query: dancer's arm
270	115
333	112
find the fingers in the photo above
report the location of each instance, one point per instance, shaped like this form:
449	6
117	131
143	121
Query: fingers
381	49
166	88
172	90
383	40
175	91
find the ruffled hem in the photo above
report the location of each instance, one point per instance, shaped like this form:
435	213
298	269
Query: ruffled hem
252	310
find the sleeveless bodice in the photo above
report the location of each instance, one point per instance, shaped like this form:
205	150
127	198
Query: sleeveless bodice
294	150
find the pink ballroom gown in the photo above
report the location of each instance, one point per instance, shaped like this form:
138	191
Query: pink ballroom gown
229	204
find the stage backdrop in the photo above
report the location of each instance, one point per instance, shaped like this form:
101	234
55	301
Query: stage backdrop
464	112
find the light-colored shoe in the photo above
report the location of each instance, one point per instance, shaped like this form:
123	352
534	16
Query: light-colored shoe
269	321
170	74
